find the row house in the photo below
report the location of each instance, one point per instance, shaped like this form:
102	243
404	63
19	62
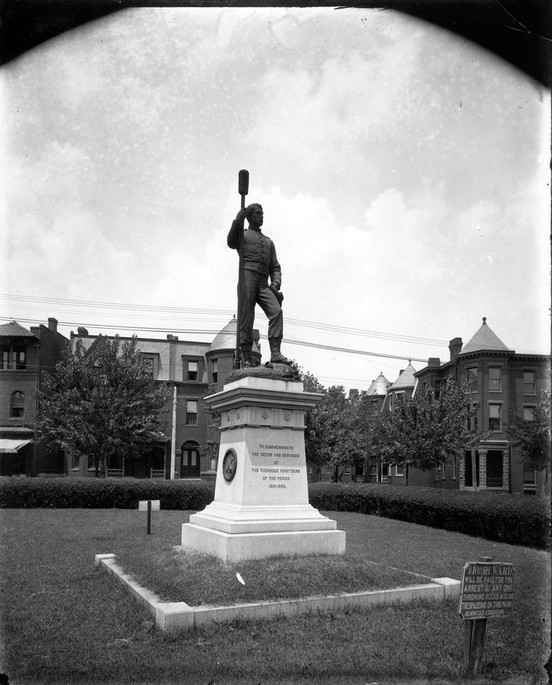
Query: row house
24	355
190	370
503	383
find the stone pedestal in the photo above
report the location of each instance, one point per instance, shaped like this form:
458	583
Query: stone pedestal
261	507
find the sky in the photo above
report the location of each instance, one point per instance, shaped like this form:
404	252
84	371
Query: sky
403	172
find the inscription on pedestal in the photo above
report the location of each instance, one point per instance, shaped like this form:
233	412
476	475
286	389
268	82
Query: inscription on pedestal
278	465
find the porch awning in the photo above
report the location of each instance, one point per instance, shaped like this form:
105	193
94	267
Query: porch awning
12	446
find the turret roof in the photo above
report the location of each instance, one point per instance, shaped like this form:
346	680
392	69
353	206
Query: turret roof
406	379
379	386
485	339
226	338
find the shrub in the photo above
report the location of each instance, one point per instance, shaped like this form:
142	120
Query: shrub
501	517
103	493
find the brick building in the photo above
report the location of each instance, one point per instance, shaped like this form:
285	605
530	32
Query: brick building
504	383
191	370
24	355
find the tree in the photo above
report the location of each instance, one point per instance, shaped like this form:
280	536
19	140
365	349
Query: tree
532	435
426	432
335	417
313	422
364	418
329	437
101	402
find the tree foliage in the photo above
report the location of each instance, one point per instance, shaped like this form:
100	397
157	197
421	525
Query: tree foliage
337	429
532	436
426	432
101	402
313	422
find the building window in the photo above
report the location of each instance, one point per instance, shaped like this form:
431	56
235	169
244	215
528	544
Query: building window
529	384
20	355
396	399
399	470
529	475
17	405
529	412
151	362
13	357
193	368
454	469
437	389
495	419
191	412
495	379
471	378
214	371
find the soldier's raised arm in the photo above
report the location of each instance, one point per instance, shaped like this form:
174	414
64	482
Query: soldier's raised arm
236	230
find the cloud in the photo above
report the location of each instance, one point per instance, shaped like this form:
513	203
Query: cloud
399	171
69	250
55	232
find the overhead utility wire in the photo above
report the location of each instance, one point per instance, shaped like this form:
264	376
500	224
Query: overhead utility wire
123	327
288	342
331	348
226	312
366	333
113	305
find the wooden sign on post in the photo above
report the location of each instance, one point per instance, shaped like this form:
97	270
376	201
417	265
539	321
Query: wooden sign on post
149	505
487	591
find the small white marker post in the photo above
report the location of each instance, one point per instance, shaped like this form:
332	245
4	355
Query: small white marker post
149	505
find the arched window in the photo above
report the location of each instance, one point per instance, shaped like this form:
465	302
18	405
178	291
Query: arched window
17	405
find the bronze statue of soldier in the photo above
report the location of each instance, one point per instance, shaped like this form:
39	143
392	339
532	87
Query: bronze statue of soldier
258	264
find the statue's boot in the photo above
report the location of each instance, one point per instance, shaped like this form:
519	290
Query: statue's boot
276	357
247	357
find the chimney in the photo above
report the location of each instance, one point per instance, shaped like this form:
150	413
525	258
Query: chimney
81	330
455	347
52	325
172	337
433	362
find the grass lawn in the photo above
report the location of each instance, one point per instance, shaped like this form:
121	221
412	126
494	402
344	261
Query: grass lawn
198	579
63	621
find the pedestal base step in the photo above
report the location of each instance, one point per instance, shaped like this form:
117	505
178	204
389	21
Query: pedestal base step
232	548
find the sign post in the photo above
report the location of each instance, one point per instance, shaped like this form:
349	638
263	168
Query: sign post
149	505
487	591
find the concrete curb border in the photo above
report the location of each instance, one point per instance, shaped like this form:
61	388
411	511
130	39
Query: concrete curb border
178	616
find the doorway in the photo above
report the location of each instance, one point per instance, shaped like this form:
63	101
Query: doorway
469	468
189	460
